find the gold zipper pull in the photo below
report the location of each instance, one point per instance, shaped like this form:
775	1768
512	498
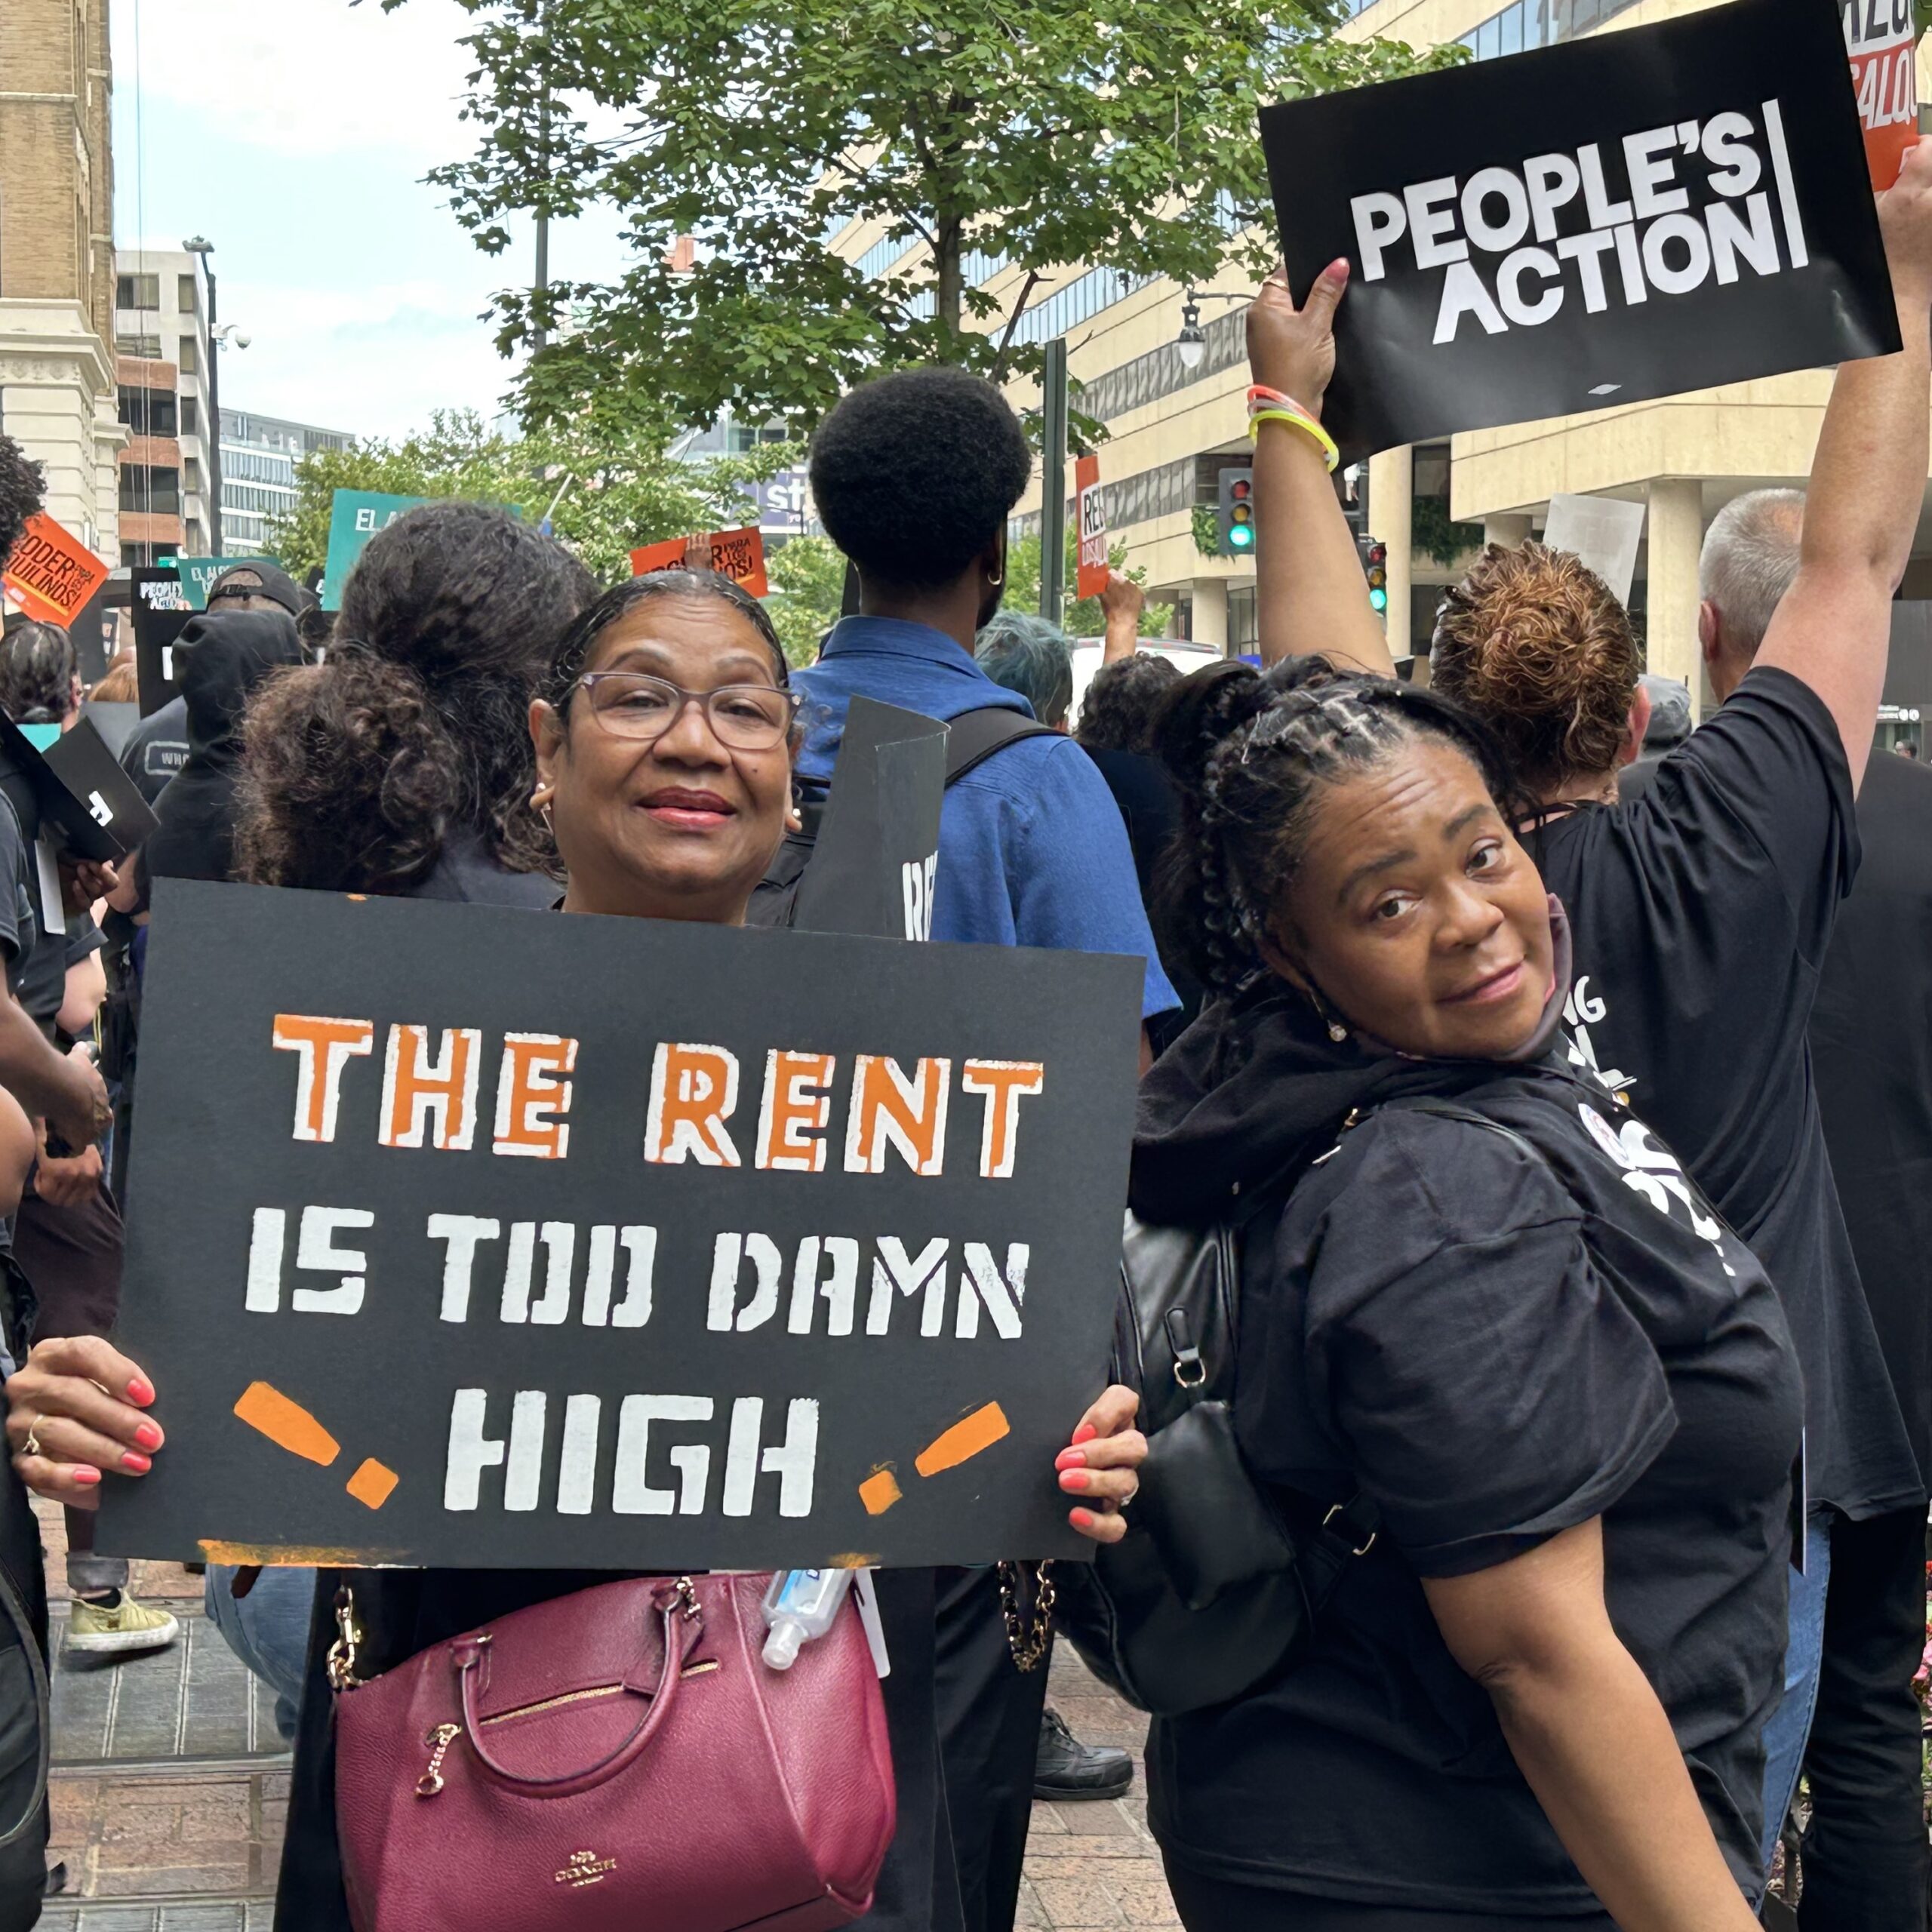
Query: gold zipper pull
440	1738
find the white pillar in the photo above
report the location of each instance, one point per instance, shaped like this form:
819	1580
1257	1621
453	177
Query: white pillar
1511	529
1210	612
1676	536
1391	509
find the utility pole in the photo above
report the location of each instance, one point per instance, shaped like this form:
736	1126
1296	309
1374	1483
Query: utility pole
1052	482
539	334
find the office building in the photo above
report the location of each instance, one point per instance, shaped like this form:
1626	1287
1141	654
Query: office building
58	395
164	349
258	454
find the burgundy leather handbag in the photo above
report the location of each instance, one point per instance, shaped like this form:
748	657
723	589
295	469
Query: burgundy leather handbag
619	1759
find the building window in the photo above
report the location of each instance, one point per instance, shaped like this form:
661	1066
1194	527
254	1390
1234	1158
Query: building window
191	476
184	294
149	412
137	291
188	361
145	348
191	417
150	492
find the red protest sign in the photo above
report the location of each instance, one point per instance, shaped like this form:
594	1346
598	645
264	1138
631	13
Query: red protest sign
1880	36
1090	520
737	554
51	574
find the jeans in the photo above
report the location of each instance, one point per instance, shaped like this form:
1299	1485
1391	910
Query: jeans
268	1629
1865	1854
1790	1724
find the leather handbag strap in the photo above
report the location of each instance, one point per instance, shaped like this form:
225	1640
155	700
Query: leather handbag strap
683	1623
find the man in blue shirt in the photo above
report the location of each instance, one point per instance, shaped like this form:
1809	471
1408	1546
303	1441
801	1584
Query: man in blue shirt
915	477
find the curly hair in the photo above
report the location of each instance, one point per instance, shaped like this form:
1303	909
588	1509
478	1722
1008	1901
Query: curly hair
37	668
915	473
1121	703
23	490
1536	646
1250	752
417	726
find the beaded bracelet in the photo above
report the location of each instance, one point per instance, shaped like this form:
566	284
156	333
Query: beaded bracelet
1330	454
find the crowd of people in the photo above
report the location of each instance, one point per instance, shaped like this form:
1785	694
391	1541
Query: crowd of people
1562	1075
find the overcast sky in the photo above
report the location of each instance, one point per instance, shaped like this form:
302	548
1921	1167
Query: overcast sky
294	135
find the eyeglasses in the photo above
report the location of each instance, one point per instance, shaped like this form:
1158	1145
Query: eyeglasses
744	718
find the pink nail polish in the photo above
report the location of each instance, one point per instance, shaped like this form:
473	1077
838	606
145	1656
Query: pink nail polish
1070	1459
1074	1479
1085	1432
82	1473
132	1461
140	1391
148	1436
1081	1519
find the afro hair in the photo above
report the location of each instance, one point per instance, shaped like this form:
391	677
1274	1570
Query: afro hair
23	488
915	474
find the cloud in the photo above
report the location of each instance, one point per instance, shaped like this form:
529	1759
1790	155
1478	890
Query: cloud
311	77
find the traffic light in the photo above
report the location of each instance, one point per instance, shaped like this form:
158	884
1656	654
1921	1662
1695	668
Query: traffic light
1236	527
1375	564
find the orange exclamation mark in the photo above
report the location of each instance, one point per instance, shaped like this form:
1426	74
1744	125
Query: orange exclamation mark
964	1440
289	1426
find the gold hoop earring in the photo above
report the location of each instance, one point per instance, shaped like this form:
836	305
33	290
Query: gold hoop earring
540	805
997	583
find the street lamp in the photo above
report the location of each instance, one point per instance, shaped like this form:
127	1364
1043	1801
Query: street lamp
1191	345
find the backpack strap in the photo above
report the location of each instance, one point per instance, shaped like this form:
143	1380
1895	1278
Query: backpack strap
974	736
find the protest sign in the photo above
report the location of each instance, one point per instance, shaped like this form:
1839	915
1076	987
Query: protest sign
533	1240
114	722
50	574
737	554
1617	219
1090	516
88	805
161	613
876	860
355	516
198	574
1881	37
1602	532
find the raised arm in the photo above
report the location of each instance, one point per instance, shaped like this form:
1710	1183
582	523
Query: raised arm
1588	1732
1833	630
1309	593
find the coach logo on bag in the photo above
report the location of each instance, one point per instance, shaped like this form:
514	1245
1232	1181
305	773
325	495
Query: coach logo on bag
585	1868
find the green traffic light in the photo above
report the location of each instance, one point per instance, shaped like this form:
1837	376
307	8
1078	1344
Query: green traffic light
1241	536
1378	599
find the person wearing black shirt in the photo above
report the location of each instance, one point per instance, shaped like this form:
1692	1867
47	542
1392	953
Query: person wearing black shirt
1864	1853
1535	1698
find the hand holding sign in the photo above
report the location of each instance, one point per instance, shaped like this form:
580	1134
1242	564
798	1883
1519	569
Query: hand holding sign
1905	219
1293	349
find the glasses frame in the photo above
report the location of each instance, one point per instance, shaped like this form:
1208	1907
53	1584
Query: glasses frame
704	700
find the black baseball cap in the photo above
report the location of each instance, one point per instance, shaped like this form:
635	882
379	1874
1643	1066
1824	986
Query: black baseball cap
261	580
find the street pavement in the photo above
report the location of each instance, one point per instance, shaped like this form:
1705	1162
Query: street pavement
169	1789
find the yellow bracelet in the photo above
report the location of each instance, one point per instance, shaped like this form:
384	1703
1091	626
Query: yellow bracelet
1333	455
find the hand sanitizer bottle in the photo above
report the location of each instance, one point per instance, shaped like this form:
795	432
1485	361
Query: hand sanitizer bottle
800	1605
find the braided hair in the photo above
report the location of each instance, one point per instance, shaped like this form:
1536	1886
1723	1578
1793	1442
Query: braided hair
1248	752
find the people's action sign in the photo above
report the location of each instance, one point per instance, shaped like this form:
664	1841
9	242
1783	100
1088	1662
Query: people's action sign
1881	37
1090	520
1617	219
737	554
469	1236
50	574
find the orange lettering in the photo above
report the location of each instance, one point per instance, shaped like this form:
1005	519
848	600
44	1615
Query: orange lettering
693	1091
796	1106
413	1090
324	1047
889	1109
531	1099
1003	1082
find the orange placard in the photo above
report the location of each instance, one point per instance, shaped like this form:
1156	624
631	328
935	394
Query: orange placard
737	554
1881	39
51	574
1090	510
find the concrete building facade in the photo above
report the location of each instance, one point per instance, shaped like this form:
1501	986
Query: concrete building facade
258	454
164	349
58	391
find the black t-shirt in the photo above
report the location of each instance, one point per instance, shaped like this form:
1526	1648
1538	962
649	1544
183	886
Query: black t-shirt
1497	1341
1871	1050
157	749
1702	910
37	969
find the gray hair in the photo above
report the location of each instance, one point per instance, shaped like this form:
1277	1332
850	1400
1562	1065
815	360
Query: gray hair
1029	655
1749	558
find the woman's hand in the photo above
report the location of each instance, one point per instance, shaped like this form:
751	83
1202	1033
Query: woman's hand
1293	349
67	1424
1100	1465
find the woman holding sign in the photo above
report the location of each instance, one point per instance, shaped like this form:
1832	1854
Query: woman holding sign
663	743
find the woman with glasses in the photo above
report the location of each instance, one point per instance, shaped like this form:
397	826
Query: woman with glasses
662	742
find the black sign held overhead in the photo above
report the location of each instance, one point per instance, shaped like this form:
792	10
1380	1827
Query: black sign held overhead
162	611
1618	219
486	1238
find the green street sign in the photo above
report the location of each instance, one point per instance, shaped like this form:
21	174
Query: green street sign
355	516
199	574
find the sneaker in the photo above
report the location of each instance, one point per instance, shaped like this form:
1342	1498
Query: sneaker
1066	1769
121	1625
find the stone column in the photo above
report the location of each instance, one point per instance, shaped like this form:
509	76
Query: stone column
1510	528
1210	612
1676	535
1391	508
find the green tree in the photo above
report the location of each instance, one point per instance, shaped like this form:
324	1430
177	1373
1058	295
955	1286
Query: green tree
620	485
807	576
1081	616
997	142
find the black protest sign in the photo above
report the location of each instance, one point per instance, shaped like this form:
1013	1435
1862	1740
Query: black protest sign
162	611
459	1235
114	722
87	801
876	857
1623	217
